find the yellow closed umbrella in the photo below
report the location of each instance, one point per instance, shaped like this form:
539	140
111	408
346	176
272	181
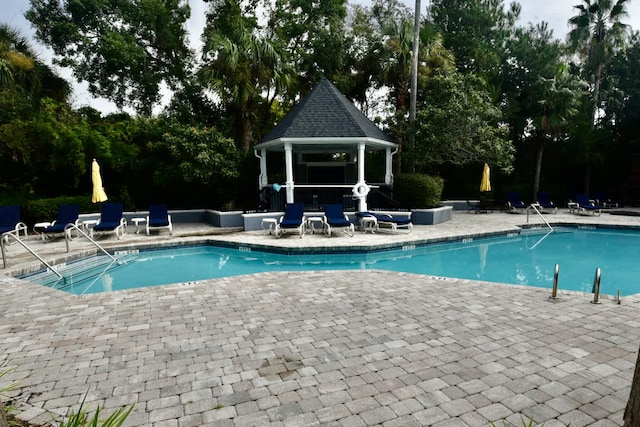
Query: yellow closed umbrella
485	183
98	192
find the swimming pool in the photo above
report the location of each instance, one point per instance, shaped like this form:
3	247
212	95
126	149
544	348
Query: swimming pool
526	258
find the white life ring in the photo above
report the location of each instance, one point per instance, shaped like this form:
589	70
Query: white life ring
361	190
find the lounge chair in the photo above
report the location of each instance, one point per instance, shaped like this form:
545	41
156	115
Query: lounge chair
10	222
293	220
159	218
111	220
515	204
384	220
67	214
545	202
335	217
605	200
586	206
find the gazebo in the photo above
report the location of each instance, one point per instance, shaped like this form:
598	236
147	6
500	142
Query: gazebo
325	122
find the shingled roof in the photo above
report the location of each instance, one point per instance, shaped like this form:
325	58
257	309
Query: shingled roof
325	114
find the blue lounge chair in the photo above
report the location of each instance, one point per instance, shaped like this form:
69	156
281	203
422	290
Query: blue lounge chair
586	206
10	222
67	214
515	204
111	220
545	202
384	220
293	220
335	217
159	218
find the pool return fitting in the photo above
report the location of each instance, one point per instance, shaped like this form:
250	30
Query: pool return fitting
596	287
554	291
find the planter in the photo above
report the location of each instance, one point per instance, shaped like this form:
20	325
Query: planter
431	216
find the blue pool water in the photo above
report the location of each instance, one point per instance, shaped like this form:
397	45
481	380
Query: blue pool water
525	259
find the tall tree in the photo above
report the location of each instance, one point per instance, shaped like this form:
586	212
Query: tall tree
476	31
241	66
559	101
125	50
597	33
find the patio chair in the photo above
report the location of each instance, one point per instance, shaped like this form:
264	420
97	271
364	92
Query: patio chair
545	202
606	200
586	206
67	214
111	220
335	217
385	220
293	220
159	218
515	204
10	222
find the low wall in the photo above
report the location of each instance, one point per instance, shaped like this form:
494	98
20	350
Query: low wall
431	216
460	205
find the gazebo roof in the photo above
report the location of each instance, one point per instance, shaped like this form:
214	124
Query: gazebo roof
325	120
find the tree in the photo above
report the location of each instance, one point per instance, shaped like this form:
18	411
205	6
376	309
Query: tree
125	50
459	125
596	35
240	66
311	34
476	31
559	102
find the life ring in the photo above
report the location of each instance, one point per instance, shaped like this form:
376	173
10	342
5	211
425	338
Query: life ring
361	190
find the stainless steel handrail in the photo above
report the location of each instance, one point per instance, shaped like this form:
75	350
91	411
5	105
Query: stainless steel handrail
535	209
17	239
67	238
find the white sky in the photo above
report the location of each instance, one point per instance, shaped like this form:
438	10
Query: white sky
555	12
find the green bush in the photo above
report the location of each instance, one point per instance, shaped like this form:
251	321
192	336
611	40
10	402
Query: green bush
418	190
47	209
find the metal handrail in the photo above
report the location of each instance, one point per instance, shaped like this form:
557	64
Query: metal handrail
17	239
67	238
534	207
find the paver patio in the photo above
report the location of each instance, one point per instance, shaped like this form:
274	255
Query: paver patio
356	348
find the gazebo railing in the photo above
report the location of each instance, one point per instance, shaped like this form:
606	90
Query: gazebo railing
315	196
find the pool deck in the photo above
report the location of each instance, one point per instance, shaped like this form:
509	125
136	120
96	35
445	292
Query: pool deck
357	348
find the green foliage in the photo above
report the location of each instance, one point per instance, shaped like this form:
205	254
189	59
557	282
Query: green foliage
38	210
525	423
124	49
458	124
81	417
417	190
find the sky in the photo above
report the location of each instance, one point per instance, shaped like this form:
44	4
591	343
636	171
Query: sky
555	12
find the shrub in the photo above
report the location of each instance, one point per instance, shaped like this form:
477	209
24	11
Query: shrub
418	190
47	209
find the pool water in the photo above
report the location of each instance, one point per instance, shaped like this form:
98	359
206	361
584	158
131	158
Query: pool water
528	258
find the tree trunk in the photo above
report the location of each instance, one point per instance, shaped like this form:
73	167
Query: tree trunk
536	178
632	411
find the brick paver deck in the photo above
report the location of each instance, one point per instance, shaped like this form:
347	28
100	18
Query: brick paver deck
357	348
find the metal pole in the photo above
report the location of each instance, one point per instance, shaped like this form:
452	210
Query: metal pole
554	291
596	287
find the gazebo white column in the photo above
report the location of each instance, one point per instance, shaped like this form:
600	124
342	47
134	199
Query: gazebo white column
263	180
388	174
288	161
361	181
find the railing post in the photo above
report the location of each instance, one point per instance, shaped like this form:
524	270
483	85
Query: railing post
596	287
554	291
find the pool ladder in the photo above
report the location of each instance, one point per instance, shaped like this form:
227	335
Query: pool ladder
535	209
67	238
5	237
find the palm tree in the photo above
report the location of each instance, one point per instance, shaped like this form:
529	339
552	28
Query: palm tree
596	35
242	67
559	103
20	68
